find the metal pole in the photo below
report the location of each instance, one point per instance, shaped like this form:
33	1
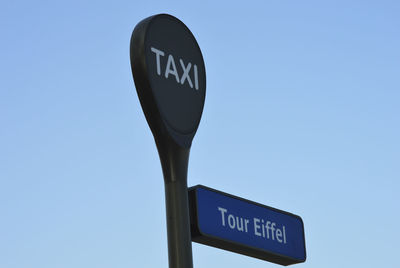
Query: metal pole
174	160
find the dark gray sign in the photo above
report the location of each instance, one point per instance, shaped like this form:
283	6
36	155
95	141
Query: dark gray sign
170	76
170	79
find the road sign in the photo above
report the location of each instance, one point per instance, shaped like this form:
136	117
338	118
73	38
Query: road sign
242	226
170	79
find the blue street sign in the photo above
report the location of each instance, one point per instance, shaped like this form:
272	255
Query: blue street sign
235	224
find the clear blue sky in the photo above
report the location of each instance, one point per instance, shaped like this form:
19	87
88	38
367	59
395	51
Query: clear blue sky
302	113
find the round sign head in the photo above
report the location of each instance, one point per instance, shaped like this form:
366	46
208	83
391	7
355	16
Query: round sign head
170	77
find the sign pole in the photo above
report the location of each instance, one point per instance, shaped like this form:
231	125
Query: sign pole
174	160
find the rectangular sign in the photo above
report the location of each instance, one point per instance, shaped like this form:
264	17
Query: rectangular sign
232	223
